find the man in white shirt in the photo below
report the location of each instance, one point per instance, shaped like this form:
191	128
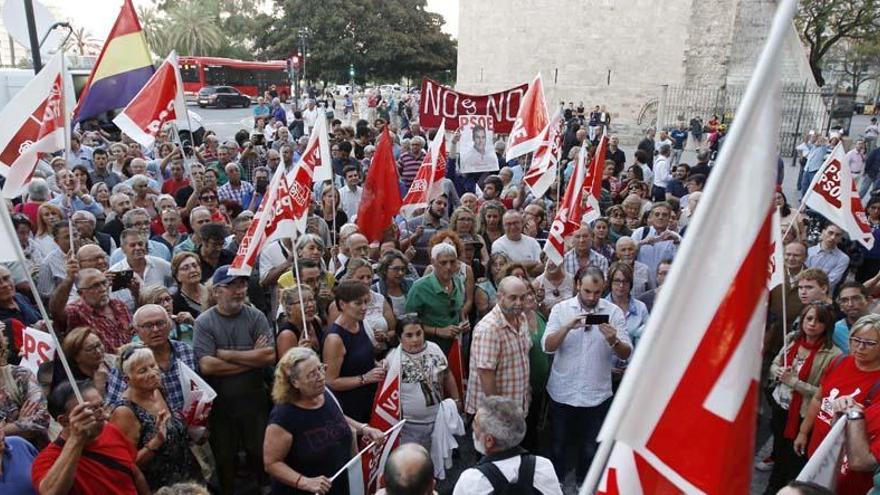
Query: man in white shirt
148	270
585	334
518	247
827	256
662	173
499	427
656	241
310	116
350	196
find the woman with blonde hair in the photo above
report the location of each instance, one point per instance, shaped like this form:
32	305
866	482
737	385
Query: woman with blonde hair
47	216
305	409
464	221
489	226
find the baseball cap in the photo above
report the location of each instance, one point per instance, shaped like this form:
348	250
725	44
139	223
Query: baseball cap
223	277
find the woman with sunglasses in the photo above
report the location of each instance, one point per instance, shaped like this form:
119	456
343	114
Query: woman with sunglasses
158	433
290	327
393	283
617	223
795	373
305	410
855	375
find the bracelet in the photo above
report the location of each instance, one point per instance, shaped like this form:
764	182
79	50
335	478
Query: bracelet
296	481
360	430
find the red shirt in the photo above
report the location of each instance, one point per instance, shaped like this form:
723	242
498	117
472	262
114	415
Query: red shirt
114	331
93	477
171	186
859	483
840	380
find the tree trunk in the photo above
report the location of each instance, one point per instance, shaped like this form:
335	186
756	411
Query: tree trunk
817	73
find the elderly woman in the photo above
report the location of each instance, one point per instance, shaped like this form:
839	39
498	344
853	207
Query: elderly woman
617	223
182	321
853	375
393	284
143	196
632	208
47	216
464	221
464	272
290	327
158	433
352	372
490	228
101	193
796	372
425	381
557	283
22	406
380	320
305	410
486	292
186	269
87	359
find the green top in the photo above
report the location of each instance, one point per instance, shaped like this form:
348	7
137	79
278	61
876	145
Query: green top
539	361
435	307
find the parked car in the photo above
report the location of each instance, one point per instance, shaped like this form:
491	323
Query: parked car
223	97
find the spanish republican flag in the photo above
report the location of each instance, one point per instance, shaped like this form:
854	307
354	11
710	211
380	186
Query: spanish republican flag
122	69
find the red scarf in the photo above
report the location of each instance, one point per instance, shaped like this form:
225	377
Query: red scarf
793	422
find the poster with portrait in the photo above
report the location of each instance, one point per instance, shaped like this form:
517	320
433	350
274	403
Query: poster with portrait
476	149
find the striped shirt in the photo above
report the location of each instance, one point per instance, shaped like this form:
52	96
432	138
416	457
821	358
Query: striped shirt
409	167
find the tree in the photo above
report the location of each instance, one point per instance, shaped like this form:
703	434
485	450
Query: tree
824	23
858	61
83	42
192	29
383	39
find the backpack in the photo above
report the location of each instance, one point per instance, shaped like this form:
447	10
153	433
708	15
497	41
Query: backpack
500	485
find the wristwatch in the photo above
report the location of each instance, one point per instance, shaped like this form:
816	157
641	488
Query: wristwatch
855	415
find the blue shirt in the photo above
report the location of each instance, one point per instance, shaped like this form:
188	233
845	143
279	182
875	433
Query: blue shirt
18	456
116	385
840	337
636	318
154	248
678	138
76	204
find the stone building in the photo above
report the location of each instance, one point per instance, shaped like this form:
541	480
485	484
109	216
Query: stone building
621	53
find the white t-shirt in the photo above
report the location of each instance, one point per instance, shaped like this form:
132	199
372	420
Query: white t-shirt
472	481
525	250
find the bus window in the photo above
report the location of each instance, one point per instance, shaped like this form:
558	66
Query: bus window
215	75
189	73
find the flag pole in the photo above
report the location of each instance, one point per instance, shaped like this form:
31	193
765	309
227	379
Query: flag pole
67	130
807	193
755	91
784	319
19	255
364	450
302	306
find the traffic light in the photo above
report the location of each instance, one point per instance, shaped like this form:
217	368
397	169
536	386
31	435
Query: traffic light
351	70
296	61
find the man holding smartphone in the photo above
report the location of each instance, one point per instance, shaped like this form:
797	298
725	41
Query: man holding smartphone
584	334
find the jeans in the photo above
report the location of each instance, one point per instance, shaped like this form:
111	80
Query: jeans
575	429
676	157
806	180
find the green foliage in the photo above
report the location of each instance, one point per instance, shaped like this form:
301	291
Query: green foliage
825	23
384	39
221	28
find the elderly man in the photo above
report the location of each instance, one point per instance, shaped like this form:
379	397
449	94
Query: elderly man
794	256
650	296
581	254
153	325
409	162
827	256
88	256
90	454
233	344
53	265
13	304
149	270
438	298
499	362
198	217
499	426
235	189
139	219
109	318
282	138
251	201
657	241
185	193
409	471
177	181
516	245
417	232
584	334
72	199
625	252
85	223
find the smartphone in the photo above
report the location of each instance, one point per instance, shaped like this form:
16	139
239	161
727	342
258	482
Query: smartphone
595	320
122	279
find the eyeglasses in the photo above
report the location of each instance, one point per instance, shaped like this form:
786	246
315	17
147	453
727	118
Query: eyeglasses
396	268
208	197
154	325
620	281
867	344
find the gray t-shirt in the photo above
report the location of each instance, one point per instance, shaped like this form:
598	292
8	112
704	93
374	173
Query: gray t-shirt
214	331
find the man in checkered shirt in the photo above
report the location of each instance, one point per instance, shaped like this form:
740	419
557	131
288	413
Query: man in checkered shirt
153	325
235	189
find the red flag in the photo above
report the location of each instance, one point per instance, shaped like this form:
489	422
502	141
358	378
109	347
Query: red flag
386	404
593	182
158	102
426	186
33	123
546	160
453	358
381	200
833	195
568	218
531	119
701	373
310	167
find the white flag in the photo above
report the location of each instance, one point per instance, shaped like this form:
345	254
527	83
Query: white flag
37	348
823	466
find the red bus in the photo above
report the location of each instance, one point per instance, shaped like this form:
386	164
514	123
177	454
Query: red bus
251	78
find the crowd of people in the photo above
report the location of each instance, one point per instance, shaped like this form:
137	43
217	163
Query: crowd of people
130	248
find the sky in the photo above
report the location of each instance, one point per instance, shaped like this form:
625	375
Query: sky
99	16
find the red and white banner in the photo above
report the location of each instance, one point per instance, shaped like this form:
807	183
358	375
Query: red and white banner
593	182
366	467
198	396
568	218
532	118
386	405
776	266
274	217
833	195
37	347
427	184
441	104
824	465
159	102
701	373
456	367
545	163
33	123
313	165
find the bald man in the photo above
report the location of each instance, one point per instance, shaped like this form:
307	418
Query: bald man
517	246
409	471
500	350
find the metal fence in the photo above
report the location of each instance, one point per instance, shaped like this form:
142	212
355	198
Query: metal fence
802	109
